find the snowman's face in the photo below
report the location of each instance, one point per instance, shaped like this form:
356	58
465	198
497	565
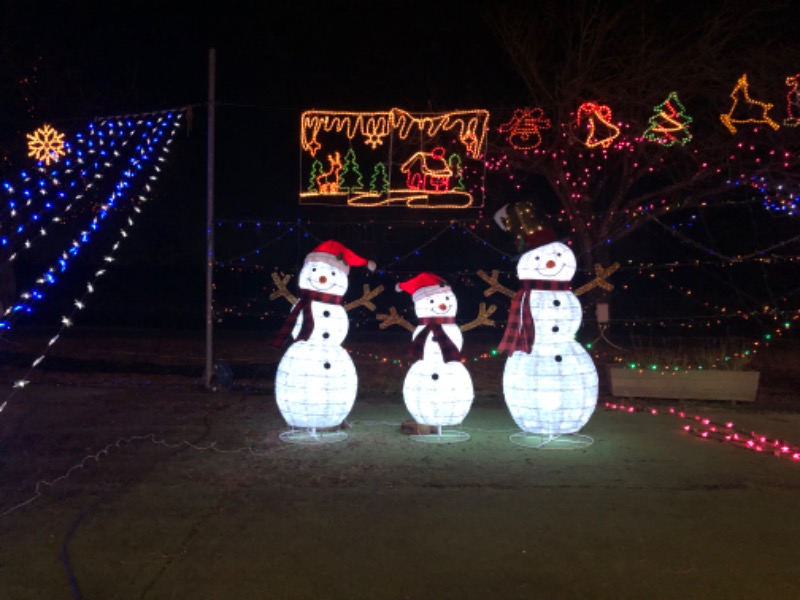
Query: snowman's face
441	304
554	261
322	277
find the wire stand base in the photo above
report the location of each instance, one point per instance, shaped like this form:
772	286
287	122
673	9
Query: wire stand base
441	436
543	441
312	436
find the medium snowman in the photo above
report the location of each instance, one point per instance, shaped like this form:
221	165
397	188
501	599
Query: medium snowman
549	381
438	388
316	381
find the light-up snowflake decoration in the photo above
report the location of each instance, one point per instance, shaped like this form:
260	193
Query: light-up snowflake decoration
46	144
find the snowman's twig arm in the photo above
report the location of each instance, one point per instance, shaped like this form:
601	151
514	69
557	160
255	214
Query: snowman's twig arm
366	299
601	274
482	318
282	291
393	318
494	284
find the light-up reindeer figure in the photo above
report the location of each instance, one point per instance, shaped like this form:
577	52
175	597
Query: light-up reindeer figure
328	181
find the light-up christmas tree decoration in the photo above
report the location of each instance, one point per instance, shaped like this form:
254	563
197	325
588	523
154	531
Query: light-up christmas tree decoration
740	112
350	178
413	160
792	102
596	120
525	128
316	382
46	144
550	382
438	388
670	123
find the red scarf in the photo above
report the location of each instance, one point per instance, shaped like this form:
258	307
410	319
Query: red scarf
519	329
434	325
304	305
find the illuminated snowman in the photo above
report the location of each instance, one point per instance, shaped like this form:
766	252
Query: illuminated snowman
549	381
438	388
316	381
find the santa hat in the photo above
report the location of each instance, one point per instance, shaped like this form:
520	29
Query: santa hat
339	256
423	285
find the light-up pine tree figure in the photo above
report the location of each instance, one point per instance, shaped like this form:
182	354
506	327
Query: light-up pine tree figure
316	171
457	167
379	181
350	178
670	123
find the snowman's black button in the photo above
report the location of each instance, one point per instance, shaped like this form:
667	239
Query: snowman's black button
556	302
327	313
326	335
327	365
558	358
555	328
435	376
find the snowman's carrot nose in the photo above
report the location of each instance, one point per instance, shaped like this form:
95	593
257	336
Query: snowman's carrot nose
550	264
443	306
323	279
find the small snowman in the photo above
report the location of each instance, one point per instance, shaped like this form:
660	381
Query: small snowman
316	381
438	388
550	382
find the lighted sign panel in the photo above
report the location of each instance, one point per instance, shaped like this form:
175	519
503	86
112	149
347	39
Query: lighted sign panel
393	158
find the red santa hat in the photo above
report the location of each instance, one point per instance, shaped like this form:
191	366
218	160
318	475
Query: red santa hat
423	285
339	256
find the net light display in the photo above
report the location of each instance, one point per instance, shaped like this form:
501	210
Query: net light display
737	116
393	158
107	173
550	382
670	123
316	382
437	389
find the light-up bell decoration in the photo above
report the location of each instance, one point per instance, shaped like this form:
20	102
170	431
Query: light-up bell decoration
438	388
316	381
598	122
550	382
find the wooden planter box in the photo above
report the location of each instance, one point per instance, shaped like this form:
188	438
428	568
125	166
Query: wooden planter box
734	386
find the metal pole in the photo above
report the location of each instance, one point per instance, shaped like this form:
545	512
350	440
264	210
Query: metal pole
212	66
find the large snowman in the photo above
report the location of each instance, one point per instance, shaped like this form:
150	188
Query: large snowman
438	388
316	381
549	381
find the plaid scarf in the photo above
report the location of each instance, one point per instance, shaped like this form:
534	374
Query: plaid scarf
519	329
304	305
434	325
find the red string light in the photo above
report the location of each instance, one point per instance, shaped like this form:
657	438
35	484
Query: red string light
705	428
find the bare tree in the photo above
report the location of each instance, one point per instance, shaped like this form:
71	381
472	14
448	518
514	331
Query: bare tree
629	56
